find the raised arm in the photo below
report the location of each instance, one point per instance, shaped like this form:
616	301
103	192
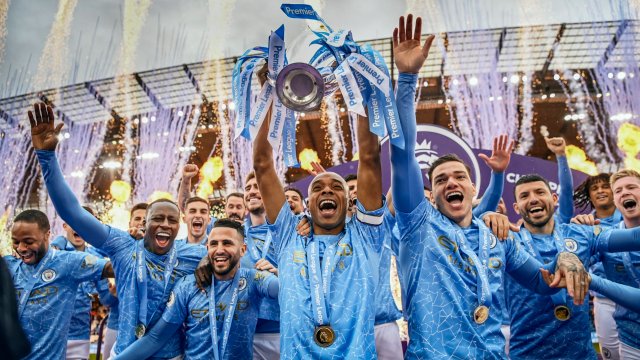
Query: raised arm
149	344
184	192
369	170
270	187
409	55
44	135
565	206
498	162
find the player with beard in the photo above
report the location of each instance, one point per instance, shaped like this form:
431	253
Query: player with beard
80	326
623	267
595	193
450	263
197	217
260	255
234	207
295	199
146	270
337	320
543	326
46	282
137	214
233	301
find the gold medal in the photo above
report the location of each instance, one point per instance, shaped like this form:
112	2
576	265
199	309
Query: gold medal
481	314
562	312
140	330
324	335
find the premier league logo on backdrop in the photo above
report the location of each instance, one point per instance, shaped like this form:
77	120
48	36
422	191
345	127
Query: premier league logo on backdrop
434	141
425	155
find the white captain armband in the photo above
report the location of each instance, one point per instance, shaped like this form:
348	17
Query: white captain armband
369	219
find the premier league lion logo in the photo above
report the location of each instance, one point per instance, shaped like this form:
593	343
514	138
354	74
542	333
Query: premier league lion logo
434	141
425	155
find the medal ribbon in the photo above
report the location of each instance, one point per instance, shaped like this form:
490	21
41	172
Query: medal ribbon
141	277
253	249
218	352
559	298
320	277
31	281
628	265
484	291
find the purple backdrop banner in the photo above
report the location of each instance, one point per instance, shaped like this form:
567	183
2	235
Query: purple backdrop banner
434	141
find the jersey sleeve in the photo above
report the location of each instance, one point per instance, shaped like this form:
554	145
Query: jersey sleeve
177	308
623	295
391	232
266	284
369	224
66	203
619	240
283	229
409	224
84	267
149	344
491	197
406	183
565	201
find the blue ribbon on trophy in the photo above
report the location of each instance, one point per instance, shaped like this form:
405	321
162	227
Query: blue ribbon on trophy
241	87
251	115
360	73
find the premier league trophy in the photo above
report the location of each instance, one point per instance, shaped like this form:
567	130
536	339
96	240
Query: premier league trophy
336	62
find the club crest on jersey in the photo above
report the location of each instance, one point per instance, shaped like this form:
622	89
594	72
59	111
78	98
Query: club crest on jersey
172	299
571	245
242	283
48	275
494	241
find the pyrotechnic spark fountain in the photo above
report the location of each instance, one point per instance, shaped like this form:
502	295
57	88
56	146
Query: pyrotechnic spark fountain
4	9
158	141
135	14
78	150
54	65
334	130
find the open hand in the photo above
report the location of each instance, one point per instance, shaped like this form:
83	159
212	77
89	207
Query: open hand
265	265
501	154
44	133
499	225
585	219
316	168
304	227
409	56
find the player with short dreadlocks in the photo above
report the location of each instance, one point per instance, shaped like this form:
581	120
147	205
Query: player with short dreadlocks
595	193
